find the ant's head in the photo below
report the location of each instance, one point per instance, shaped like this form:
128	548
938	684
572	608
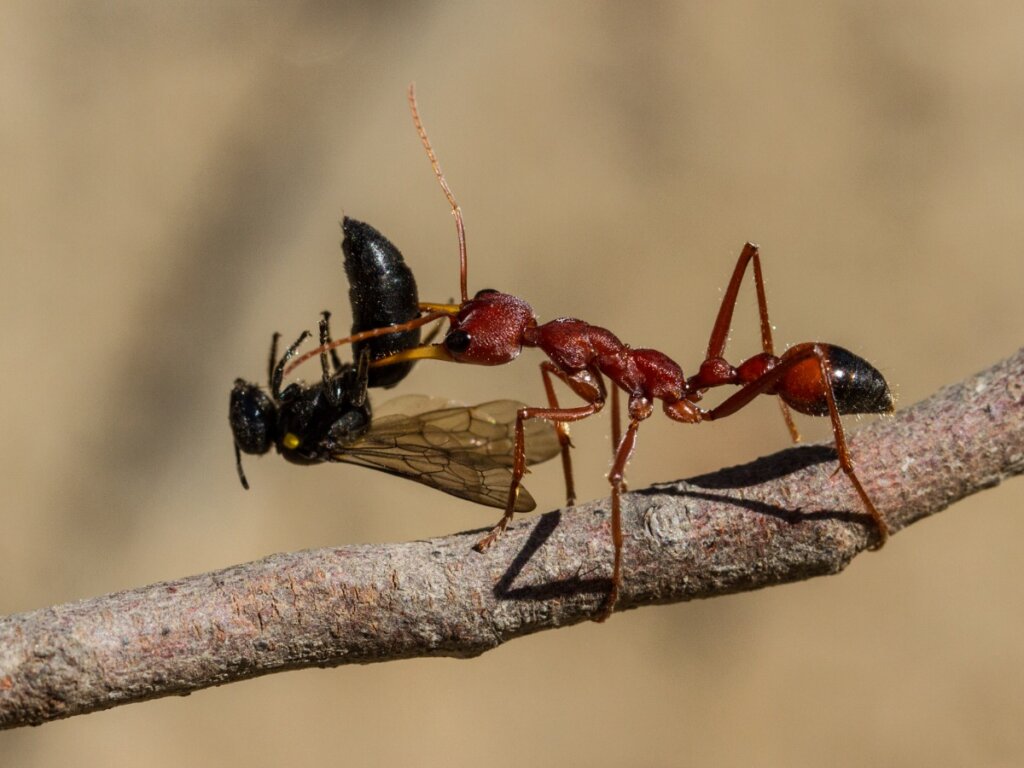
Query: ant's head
253	417
489	329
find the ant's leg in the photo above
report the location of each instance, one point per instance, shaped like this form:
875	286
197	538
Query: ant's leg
723	323
773	377
617	479
519	460
278	373
547	369
616	426
588	387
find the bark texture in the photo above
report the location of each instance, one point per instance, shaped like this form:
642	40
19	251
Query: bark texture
779	519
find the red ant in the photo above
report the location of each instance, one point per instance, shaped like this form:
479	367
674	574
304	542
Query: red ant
492	328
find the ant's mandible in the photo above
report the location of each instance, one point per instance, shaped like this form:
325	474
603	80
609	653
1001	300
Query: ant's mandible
491	328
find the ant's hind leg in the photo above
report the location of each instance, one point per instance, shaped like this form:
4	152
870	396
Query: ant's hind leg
774	377
750	254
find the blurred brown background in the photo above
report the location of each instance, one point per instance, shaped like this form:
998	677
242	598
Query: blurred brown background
173	176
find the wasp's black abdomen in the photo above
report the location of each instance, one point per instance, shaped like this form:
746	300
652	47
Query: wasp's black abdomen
382	292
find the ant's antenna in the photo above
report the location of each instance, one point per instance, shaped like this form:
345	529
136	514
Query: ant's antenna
456	211
441	310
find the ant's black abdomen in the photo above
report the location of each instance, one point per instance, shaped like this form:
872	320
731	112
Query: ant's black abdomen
382	292
858	386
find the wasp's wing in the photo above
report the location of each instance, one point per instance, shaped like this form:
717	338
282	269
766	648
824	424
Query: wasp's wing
411	405
464	451
488	428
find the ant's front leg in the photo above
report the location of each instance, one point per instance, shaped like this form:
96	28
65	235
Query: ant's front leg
547	370
616	427
589	385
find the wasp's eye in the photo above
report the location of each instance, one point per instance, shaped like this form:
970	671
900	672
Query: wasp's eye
253	415
457	342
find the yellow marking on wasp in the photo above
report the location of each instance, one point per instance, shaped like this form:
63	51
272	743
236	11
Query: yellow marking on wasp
291	442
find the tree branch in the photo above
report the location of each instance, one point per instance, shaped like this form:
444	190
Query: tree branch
779	519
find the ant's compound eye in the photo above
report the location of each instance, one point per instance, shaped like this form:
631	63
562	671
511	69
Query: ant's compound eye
484	292
457	342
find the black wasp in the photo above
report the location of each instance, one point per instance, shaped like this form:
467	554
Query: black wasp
464	451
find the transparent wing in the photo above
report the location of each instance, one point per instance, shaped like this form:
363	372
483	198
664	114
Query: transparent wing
411	405
463	450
